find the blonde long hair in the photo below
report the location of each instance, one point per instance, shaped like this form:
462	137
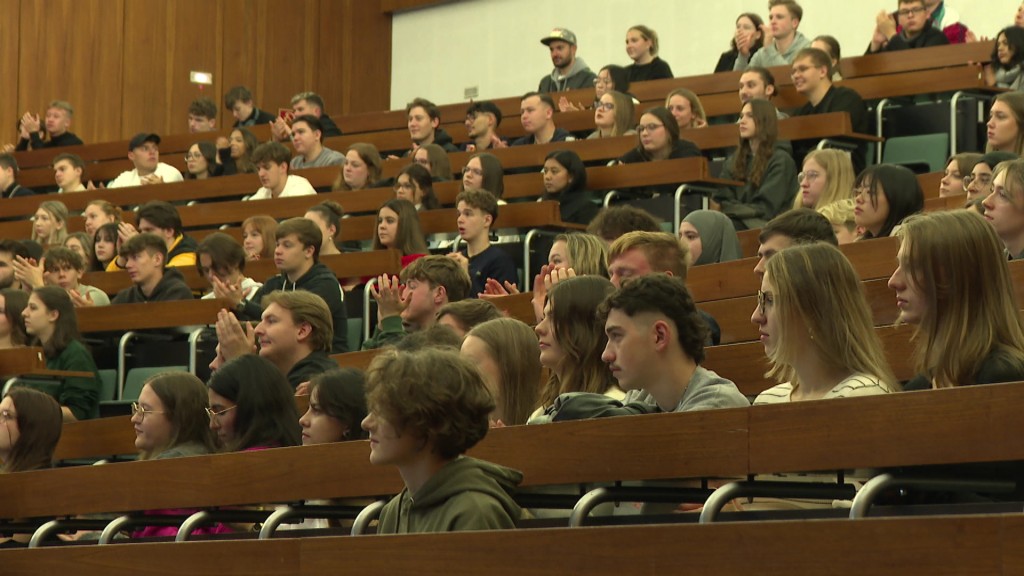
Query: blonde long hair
817	290
838	170
956	260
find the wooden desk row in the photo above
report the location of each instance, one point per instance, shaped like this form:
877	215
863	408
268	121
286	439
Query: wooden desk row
960	545
976	423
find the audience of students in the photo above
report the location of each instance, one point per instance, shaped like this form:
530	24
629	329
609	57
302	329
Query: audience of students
435	159
252	407
424	432
236	153
259	237
766	170
797	226
746	41
104	246
803	290
51	322
916	29
50	223
100	212
67	174
220	258
613	116
415	184
1006	124
398	228
478	211
327	216
410	301
782	41
201	161
1004	207
571	342
482	122
464	315
483	171
54	127
271	160
1007	56
958	167
161	219
710	237
886	194
840	214
507	354
642	49
957	344
658	139
537	117
361	169
686	108
144	152
827	177
337	407
12	323
655	344
565	180
297	258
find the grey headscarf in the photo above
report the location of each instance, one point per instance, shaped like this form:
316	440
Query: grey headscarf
719	242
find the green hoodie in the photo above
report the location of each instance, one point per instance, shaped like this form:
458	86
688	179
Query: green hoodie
466	494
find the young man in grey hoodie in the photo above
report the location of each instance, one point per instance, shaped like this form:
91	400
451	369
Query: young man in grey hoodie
570	72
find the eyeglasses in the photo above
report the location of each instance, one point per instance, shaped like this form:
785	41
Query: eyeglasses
473	171
809	176
649	127
609	106
216	415
983	180
139	410
800	69
602	81
910	11
403	186
196	156
764	300
7	416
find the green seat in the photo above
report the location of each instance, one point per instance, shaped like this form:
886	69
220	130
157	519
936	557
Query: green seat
922	154
137	377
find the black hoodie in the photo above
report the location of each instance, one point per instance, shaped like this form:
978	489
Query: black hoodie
171	287
319	280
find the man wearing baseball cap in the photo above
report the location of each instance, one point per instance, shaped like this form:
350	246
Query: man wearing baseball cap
570	72
144	152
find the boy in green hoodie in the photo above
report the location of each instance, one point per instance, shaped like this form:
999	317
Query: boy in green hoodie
427	408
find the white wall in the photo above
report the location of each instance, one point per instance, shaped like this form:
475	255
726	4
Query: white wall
495	44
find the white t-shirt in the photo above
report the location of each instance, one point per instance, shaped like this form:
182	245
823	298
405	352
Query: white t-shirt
131	178
294	186
855	385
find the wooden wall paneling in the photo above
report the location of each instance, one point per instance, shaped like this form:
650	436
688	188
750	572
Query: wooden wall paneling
147	30
366	50
330	79
9	45
238	52
73	50
194	45
286	50
390	6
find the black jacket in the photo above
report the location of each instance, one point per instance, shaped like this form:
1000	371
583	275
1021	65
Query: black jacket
65	139
319	280
171	287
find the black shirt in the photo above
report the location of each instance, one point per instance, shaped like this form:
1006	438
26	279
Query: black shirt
15	190
560	135
317	362
655	70
491	263
838	99
65	139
